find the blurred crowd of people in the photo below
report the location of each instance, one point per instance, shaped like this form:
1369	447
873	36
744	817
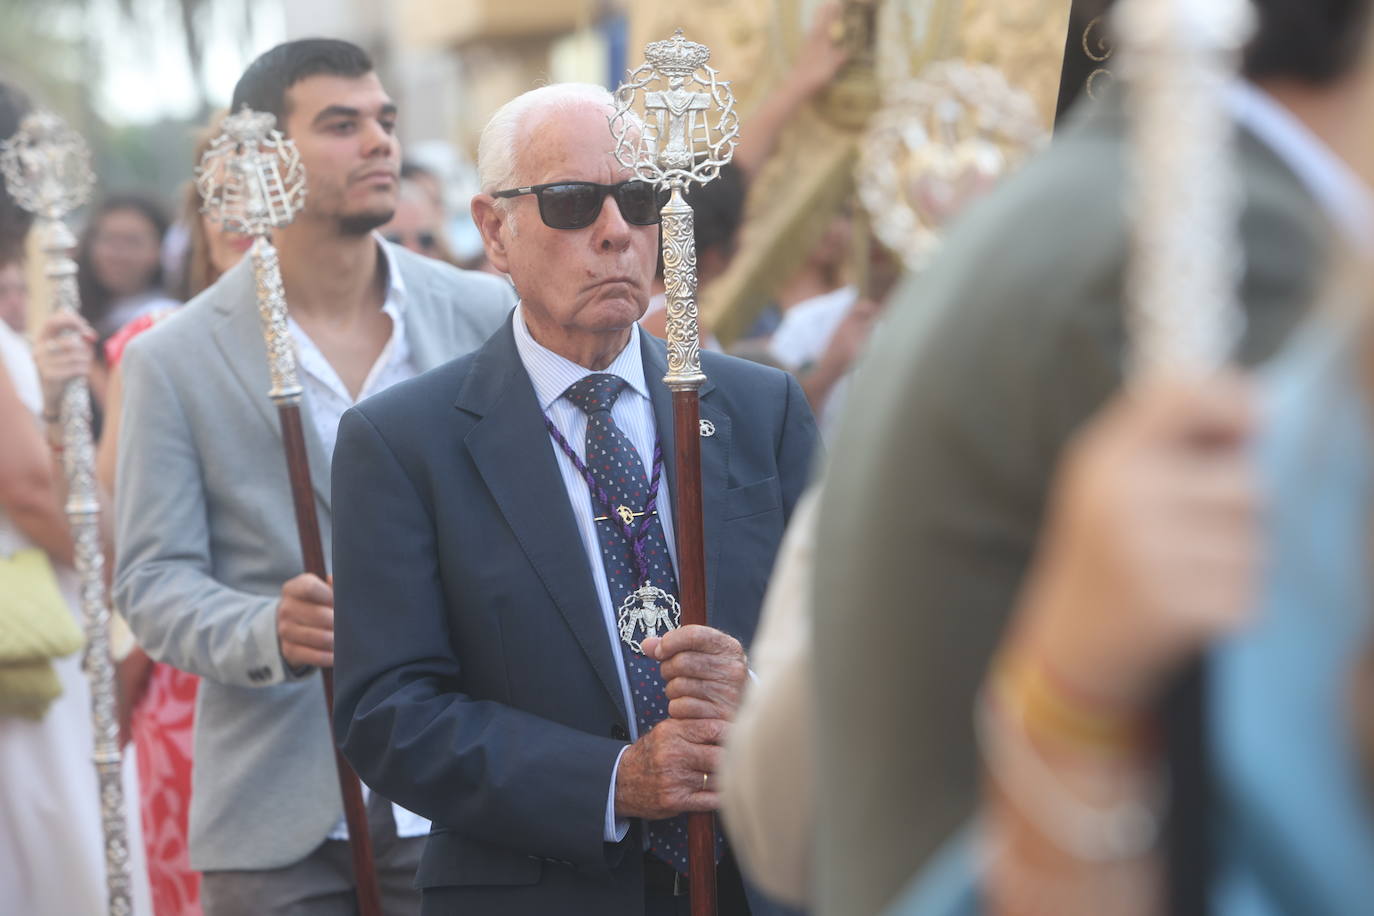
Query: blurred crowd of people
961	682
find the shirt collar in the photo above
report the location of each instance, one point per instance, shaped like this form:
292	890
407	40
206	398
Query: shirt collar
395	283
1338	190
552	374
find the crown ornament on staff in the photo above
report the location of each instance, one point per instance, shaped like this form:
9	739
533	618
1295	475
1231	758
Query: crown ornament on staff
252	181
251	177
47	168
675	125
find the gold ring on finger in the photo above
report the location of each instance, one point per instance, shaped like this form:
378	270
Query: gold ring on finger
705	778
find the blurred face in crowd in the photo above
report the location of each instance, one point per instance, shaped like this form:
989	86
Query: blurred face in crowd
582	281
345	129
125	252
14	296
225	248
417	222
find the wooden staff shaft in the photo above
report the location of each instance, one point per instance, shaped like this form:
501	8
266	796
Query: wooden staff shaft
684	379
312	554
691	564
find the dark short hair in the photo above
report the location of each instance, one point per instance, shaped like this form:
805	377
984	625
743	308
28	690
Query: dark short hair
1312	41
14	220
719	209
263	85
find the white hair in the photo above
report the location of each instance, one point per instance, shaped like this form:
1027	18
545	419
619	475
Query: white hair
499	147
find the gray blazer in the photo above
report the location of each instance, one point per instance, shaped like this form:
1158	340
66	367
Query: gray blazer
206	536
984	369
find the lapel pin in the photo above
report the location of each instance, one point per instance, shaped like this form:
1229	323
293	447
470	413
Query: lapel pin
708	429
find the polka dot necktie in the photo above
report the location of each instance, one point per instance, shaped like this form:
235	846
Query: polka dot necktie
617	466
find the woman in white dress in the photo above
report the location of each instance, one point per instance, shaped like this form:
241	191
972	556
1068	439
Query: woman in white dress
51	842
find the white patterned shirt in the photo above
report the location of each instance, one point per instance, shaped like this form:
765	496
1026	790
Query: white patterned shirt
326	399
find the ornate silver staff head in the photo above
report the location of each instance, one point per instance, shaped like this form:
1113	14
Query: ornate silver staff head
688	128
47	169
252	181
251	178
1177	58
938	142
686	132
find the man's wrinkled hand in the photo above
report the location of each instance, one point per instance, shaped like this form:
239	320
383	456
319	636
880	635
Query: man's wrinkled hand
305	622
660	775
704	670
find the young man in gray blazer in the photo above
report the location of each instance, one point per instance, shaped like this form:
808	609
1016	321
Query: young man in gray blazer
209	568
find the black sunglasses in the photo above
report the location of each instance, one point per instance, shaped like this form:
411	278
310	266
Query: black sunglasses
577	204
425	240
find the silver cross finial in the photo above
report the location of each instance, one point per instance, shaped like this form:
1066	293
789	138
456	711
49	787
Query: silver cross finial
689	127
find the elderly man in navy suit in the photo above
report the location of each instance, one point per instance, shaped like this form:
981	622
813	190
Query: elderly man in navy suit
496	518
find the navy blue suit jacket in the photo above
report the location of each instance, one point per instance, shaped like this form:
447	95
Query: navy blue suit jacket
474	680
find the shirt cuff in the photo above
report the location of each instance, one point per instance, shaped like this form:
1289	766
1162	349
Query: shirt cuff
616	827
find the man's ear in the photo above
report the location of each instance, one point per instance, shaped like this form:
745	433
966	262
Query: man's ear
490	221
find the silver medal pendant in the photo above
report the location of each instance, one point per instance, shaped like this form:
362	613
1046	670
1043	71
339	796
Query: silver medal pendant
647	611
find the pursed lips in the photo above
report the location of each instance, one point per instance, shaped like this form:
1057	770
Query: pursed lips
610	281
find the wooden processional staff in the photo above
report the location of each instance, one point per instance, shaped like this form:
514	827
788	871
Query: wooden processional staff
47	171
1177	58
675	125
252	181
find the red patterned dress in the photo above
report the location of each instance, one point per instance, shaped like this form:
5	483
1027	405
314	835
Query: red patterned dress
162	721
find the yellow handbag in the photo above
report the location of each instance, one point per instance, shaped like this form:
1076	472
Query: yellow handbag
36	626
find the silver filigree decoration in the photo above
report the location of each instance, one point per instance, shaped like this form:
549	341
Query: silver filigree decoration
674	125
252	181
940	141
47	171
1178	58
47	166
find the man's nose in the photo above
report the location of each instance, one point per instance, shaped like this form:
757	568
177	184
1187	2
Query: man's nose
613	232
377	139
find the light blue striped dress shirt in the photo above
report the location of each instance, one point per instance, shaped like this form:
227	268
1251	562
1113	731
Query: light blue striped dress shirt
633	412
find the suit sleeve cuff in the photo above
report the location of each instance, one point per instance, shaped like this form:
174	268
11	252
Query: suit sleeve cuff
616	827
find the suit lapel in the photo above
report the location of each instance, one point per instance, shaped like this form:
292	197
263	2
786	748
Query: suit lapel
513	453
239	337
715	456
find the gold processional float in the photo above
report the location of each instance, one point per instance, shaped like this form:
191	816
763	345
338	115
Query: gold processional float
902	55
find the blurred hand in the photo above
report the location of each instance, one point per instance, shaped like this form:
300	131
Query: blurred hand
1152	544
63	349
661	774
305	622
822	54
704	672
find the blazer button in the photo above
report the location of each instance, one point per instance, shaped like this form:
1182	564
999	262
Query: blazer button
620	732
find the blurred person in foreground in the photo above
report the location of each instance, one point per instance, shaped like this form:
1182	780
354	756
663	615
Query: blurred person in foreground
988	364
52	852
495	497
1221	514
208	556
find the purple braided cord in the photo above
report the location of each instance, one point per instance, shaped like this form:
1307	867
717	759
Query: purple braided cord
638	538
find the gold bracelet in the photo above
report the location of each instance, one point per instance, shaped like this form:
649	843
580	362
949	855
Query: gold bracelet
1052	712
